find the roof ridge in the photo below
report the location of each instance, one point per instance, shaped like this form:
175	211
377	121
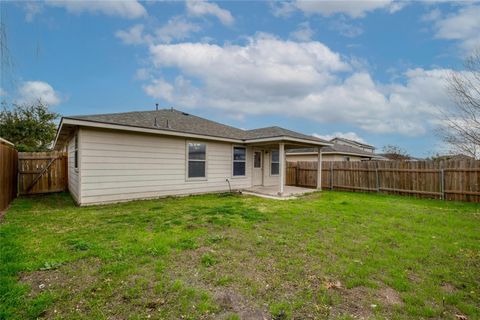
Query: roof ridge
115	113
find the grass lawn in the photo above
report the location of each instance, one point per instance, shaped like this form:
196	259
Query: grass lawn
326	255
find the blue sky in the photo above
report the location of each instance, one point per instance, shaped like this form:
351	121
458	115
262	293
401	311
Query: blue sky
368	70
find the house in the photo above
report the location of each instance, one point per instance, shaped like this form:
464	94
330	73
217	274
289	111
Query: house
138	155
341	150
354	144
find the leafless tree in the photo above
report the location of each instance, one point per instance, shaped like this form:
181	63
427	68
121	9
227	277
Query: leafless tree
460	127
396	153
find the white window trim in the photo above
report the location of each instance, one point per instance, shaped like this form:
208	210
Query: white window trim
271	161
76	152
233	160
187	159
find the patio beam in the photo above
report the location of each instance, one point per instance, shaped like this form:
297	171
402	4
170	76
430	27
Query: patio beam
281	155
319	169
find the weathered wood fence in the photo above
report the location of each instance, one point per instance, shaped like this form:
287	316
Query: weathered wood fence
42	172
450	180
8	173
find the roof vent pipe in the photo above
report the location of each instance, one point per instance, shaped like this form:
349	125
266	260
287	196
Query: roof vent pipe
156	106
171	109
155	124
168	124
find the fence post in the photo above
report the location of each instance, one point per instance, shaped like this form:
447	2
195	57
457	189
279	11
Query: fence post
377	179
331	175
442	184
296	174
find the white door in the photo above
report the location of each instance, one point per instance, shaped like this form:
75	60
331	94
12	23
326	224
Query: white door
257	167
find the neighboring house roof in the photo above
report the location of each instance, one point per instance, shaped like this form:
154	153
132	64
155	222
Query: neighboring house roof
174	121
335	149
399	157
272	132
453	157
361	144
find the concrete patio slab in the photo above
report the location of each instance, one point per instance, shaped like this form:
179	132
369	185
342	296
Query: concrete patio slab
272	192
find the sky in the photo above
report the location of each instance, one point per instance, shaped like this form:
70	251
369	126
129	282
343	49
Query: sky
373	71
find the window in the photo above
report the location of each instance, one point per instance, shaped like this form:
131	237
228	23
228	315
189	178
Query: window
239	157
76	151
197	160
257	159
346	158
275	167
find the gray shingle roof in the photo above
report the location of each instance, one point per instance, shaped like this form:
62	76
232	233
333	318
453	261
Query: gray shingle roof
178	121
354	142
272	132
336	148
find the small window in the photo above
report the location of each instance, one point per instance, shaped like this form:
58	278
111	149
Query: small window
239	158
76	151
346	158
257	160
275	167
197	155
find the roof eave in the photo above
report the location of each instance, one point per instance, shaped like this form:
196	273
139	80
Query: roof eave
288	139
332	152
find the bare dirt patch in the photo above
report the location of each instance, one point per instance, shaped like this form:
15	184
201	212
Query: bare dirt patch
231	301
71	279
228	297
74	277
360	302
448	288
356	303
389	296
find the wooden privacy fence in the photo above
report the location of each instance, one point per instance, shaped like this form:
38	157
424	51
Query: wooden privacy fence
8	173
42	172
451	180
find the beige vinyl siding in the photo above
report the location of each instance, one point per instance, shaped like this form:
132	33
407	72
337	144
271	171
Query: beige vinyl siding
119	166
268	179
73	174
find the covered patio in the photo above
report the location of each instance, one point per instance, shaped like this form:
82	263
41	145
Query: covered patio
273	167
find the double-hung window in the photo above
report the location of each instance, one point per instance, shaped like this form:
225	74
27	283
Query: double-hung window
275	163
197	160
239	159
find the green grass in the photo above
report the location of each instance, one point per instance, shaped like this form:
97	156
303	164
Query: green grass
326	255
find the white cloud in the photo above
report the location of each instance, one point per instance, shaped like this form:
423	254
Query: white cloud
201	8
32	91
31	10
160	89
303	32
463	26
134	35
347	135
353	8
299	79
432	15
130	9
176	28
142	74
345	28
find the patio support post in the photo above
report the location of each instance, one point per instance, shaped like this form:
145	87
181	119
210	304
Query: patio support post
319	169
281	155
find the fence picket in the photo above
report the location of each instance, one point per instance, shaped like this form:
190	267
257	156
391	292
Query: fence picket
448	180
